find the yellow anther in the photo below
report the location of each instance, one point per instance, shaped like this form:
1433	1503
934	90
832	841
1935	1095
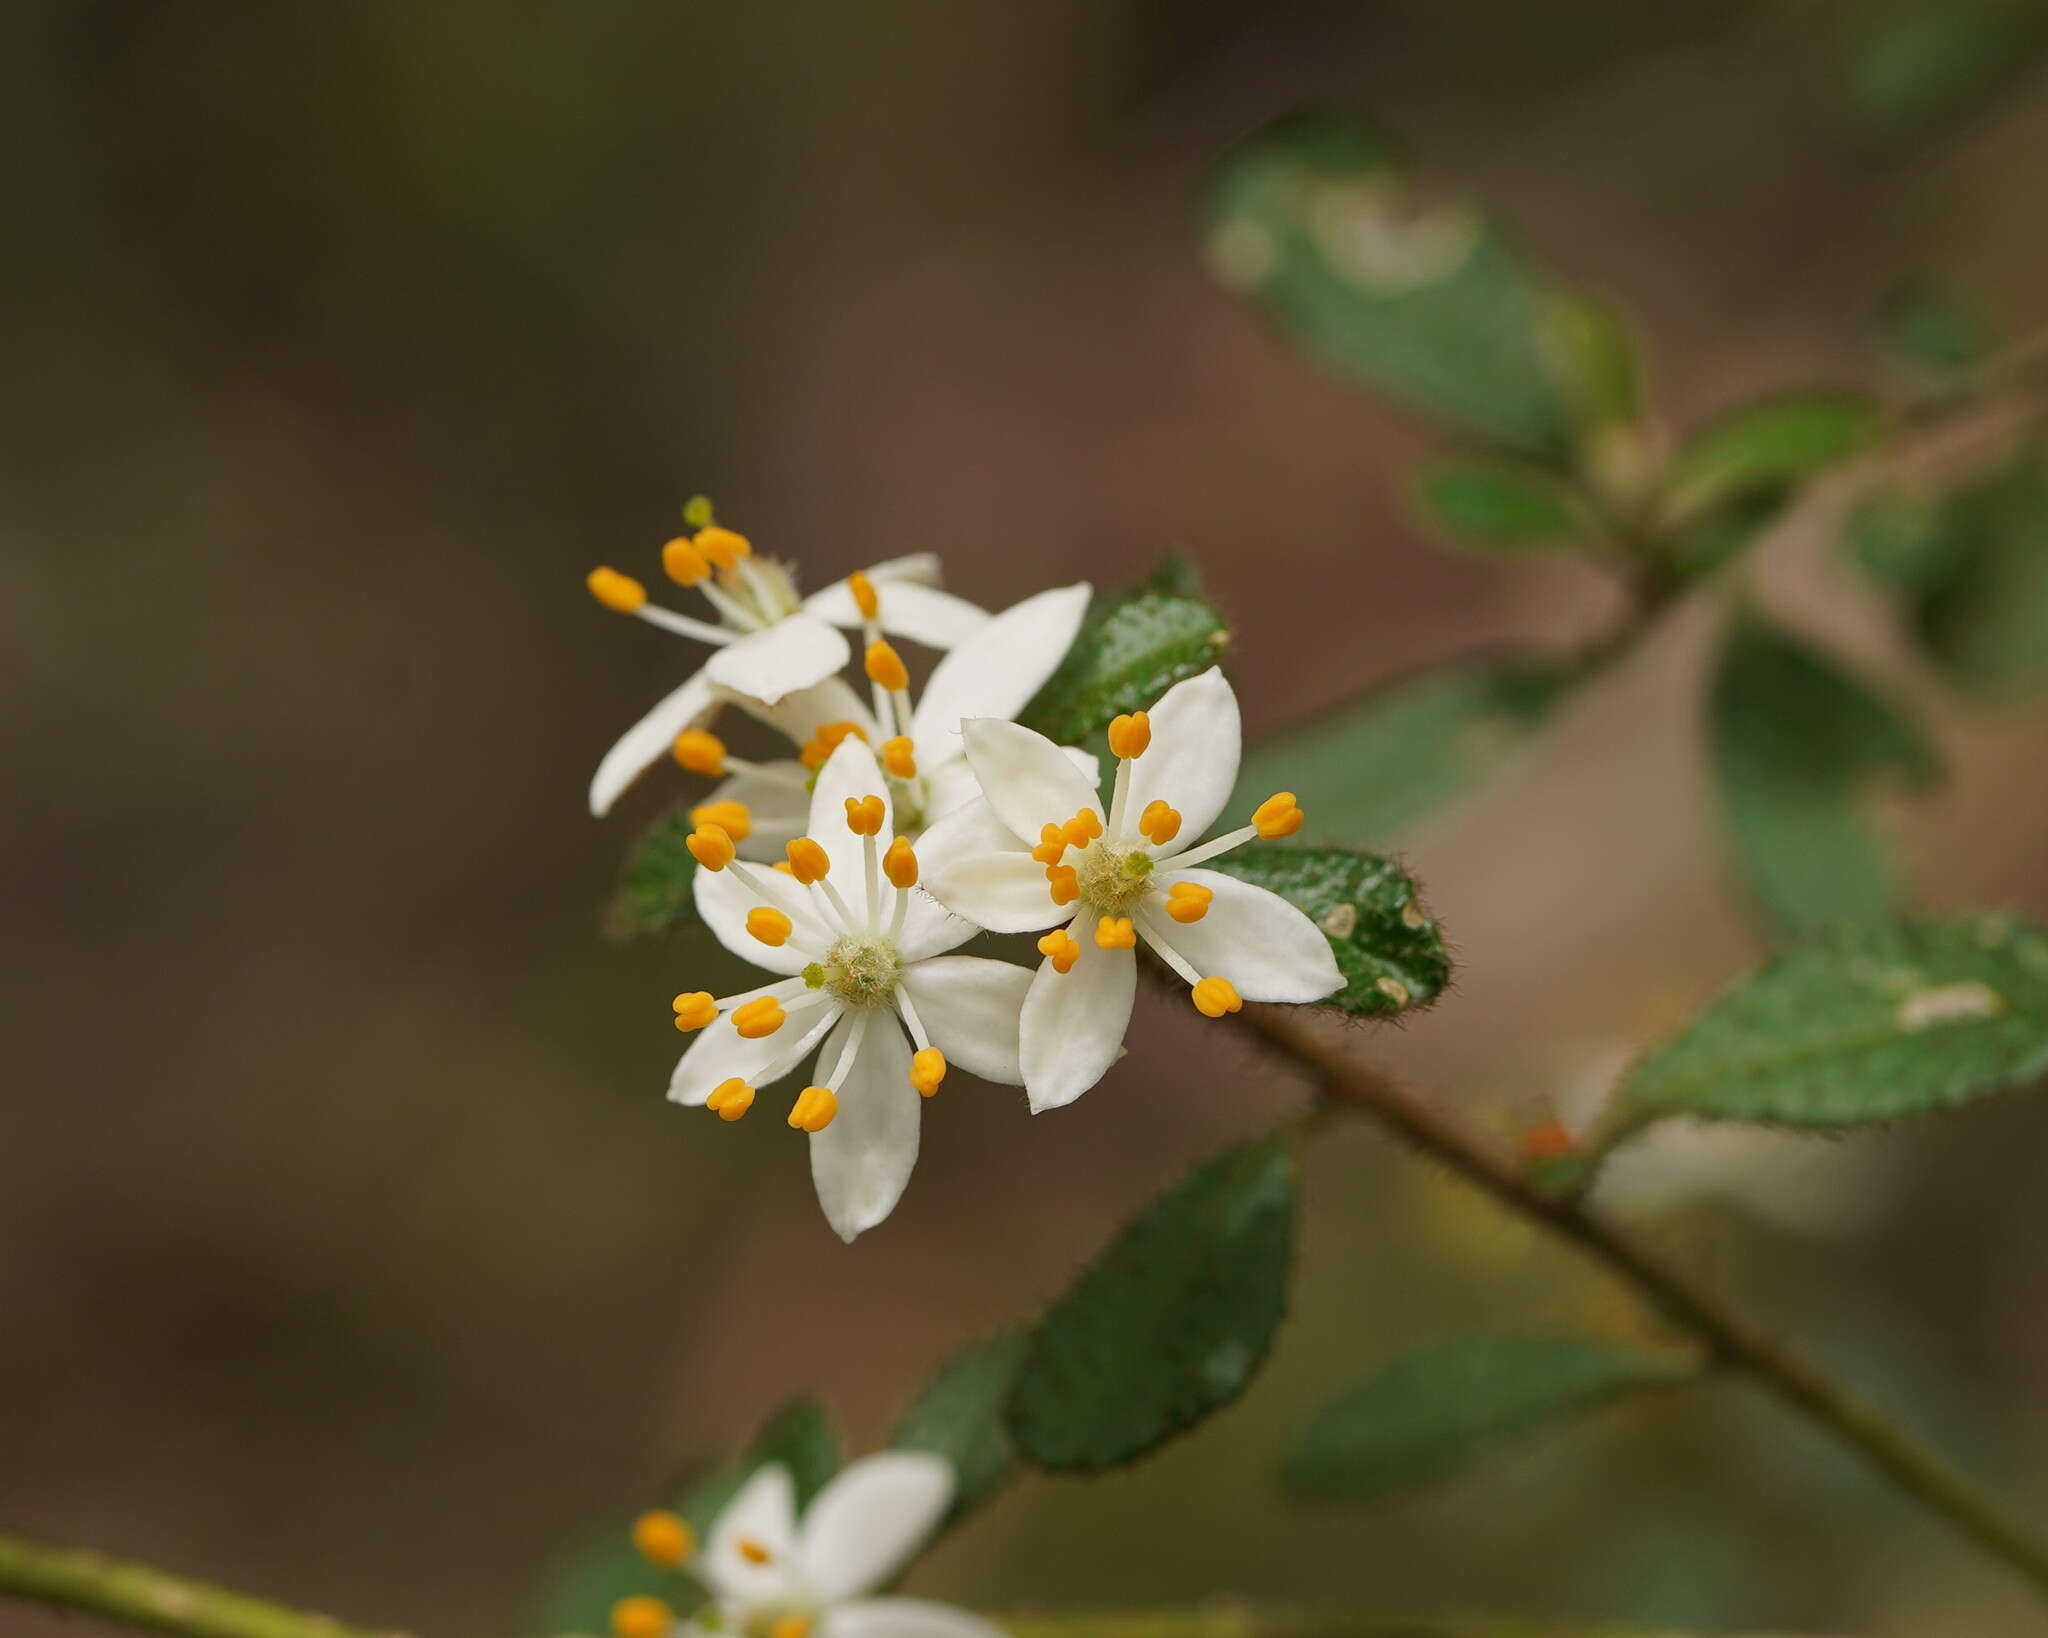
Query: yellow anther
1116	933
642	1618
1160	823
808	862
760	1017
684	564
1052	846
783	866
768	924
1188	901
736	819
864	815
722	547
1129	735
694	1009
1082	829
814	1108
1213	997
1065	883
753	1551
899	757
791	1626
664	1539
885	666
620	593
1277	816
730	1099
927	1069
700	753
826	741
711	846
864	597
1061	948
899	864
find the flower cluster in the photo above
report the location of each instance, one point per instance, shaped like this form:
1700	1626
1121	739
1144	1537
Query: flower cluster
851	871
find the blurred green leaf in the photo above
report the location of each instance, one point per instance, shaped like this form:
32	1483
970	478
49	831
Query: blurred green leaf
656	887
1313	221
1796	741
1768	443
1438	1411
959	1415
1932	329
800	1436
1704	544
1170	1324
578	1592
1913	66
1391	954
1501	505
1594	357
1870	1024
1366	770
1132	648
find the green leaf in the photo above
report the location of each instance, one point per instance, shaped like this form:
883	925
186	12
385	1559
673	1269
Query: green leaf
1795	743
1438	1411
1390	952
1501	505
1314	222
800	1436
1169	1325
655	892
1912	67
1713	539
578	1591
1594	358
959	1415
1870	1024
1768	443
1131	649
1367	770
1932	330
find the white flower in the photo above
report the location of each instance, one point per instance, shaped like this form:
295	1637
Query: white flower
994	674
864	955
1035	853
769	643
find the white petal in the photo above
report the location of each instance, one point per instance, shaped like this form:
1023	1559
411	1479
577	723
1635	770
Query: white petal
778	808
1074	1022
1026	778
649	740
835	602
723	900
861	1162
719	1052
864	1525
850	771
1192	762
794	653
1268	949
976	867
904	1618
799	716
929	928
763	1513
996	674
923	614
949	784
972	1008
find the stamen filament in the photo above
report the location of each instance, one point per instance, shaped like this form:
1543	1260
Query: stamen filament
847	919
871	869
683	626
900	914
1166	952
1120	797
844	1067
1209	849
731	609
911	1021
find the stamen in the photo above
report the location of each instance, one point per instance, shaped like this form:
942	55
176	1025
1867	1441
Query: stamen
752	1551
814	1108
736	819
730	1099
1064	882
1130	735
1214	997
1082	829
1060	948
1188	901
864	597
769	925
759	1019
927	1070
1116	933
711	846
899	864
684	563
1277	816
722	547
1052	846
808	861
826	741
1209	849
1160	823
694	1009
885	667
700	753
642	1618
664	1539
620	593
899	757
864	815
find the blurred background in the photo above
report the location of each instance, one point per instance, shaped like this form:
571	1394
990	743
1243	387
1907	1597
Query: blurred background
348	1250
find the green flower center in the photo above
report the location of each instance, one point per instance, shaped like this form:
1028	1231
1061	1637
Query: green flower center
1113	877
862	972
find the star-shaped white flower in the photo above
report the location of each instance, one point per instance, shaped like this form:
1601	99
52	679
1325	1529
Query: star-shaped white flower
865	960
769	642
994	674
1035	852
